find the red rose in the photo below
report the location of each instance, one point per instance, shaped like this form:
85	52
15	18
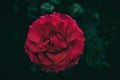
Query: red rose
54	42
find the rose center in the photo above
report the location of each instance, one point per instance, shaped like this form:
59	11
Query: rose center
54	44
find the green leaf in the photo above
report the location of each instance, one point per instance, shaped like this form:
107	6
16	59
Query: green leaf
56	2
32	8
33	68
47	7
76	9
97	15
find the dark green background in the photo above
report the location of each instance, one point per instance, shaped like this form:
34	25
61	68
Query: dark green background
99	19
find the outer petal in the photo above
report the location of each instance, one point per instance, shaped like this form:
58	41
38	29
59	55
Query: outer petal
74	62
62	27
54	19
72	33
46	62
31	46
76	42
43	30
61	69
64	62
33	58
33	35
56	57
52	69
75	49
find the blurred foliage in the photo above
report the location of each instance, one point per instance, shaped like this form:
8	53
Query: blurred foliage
76	9
47	7
89	18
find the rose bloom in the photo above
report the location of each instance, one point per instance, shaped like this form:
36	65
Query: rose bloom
54	42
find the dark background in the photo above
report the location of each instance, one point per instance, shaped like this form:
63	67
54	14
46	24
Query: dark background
99	20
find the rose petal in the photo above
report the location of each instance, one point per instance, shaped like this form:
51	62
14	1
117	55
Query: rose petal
62	27
56	57
75	49
46	30
33	36
41	56
31	46
58	43
61	69
74	62
64	62
54	19
73	32
51	69
43	30
43	46
73	36
46	61
33	58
